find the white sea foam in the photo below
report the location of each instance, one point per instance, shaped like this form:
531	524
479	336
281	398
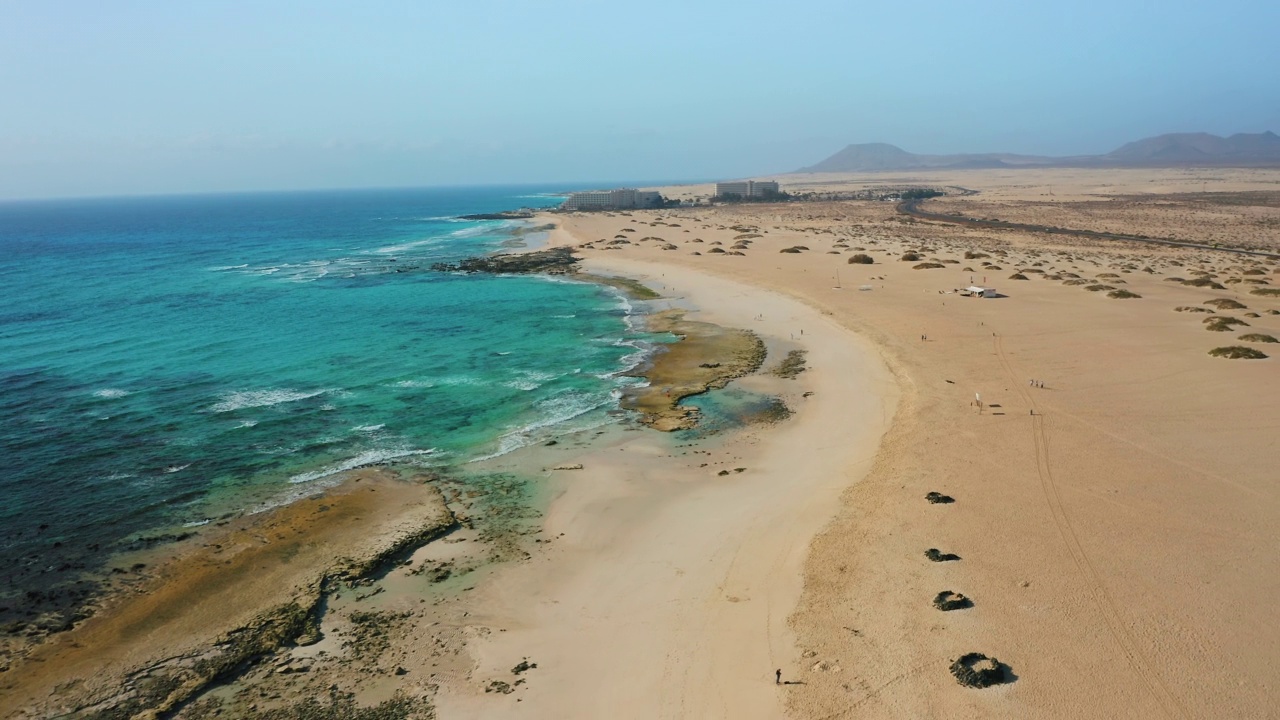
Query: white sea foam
525	385
408	246
246	424
368	428
368	457
196	523
459	380
224	268
412	384
110	393
242	399
177	468
557	410
479	230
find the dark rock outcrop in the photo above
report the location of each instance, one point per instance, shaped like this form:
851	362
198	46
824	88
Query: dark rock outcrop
948	600
937	555
978	671
556	261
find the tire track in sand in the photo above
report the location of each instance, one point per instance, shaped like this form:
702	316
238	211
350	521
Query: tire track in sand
1111	615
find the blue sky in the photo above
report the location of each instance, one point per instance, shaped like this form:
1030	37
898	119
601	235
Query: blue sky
155	97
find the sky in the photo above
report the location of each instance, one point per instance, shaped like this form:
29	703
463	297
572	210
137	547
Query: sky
134	97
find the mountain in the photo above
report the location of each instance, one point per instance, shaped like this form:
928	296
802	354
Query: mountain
1241	149
871	157
1200	148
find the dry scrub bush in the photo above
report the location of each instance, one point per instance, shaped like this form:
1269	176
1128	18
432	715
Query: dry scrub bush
1204	282
1226	304
1223	323
1238	352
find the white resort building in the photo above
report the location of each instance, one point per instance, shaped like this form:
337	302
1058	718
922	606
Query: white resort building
620	199
747	188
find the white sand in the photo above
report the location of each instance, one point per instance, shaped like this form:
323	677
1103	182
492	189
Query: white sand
669	594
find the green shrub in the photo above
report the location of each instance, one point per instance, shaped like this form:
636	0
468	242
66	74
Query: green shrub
1237	352
1226	304
1204	282
1223	323
860	259
1258	338
1122	294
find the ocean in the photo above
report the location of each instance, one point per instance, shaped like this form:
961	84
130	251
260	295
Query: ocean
166	361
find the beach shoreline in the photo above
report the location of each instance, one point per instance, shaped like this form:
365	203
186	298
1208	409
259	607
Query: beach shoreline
64	655
1110	475
1109	482
714	544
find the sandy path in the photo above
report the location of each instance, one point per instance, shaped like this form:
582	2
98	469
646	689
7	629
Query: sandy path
669	593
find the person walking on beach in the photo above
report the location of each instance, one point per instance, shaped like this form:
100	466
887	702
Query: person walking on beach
777	677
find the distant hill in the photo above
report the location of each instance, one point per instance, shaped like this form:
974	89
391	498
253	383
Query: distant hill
1200	148
1242	149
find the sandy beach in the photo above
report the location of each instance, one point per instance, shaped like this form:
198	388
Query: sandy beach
1113	516
1113	505
669	594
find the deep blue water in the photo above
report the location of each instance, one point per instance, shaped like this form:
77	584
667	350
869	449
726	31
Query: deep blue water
164	360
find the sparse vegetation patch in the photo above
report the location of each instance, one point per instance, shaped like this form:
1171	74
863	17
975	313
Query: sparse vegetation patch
1204	281
1238	352
1223	323
1226	304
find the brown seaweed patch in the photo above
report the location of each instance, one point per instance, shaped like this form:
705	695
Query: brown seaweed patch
792	365
633	289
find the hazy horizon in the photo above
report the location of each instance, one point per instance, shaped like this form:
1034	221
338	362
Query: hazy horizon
151	98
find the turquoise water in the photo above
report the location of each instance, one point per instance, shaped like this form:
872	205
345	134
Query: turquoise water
165	360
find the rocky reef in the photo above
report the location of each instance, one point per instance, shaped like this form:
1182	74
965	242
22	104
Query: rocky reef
555	261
